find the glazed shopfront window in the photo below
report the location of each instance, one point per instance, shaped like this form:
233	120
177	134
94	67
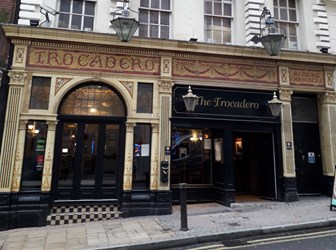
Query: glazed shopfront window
145	98
141	156
33	161
191	156
40	90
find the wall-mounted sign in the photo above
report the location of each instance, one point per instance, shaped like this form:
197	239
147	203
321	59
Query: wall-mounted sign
92	60
311	157
221	102
289	145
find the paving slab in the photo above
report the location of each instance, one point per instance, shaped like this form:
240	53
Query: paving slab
206	222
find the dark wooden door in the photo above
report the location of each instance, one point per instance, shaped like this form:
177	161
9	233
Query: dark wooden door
88	160
308	166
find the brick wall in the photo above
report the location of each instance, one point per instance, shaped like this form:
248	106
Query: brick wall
7	15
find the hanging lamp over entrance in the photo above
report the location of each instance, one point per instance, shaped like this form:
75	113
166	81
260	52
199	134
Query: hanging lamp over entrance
124	26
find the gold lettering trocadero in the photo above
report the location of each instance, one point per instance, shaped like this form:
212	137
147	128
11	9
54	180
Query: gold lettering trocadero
80	60
219	102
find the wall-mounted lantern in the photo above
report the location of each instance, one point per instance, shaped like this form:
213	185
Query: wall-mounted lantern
275	105
272	37
190	100
123	25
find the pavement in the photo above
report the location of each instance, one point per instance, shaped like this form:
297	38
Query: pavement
206	222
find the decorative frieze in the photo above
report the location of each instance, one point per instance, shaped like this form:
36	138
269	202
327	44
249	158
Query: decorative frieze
60	82
20	55
166	67
284	76
306	77
129	86
246	73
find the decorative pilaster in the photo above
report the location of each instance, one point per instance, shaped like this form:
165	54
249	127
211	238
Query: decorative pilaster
19	156
165	92
329	78
166	66
166	86
287	133
49	156
127	186
327	113
287	146
154	173
10	133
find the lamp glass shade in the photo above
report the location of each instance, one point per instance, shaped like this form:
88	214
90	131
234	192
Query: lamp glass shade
275	105
125	27
190	100
273	43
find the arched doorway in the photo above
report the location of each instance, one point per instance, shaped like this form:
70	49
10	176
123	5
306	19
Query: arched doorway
89	144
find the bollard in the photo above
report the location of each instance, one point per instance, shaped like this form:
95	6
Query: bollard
183	201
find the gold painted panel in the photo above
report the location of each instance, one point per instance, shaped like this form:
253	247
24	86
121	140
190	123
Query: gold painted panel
228	71
306	77
91	60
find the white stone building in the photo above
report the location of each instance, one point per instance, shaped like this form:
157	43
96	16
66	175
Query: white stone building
99	124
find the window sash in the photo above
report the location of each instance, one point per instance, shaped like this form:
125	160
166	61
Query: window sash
154	17
74	16
217	21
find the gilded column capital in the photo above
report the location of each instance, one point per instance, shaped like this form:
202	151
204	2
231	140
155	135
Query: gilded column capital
17	77
285	94
155	127
130	127
166	85
52	125
23	124
328	97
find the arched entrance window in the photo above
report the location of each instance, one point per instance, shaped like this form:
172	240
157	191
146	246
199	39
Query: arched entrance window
90	144
93	100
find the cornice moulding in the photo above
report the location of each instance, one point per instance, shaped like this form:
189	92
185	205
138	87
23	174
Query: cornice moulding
20	32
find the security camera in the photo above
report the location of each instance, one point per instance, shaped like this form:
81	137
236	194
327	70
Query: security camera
48	9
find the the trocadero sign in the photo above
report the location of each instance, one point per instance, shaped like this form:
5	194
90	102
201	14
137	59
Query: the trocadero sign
220	102
93	61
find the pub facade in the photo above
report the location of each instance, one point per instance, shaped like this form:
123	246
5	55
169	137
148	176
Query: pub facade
95	123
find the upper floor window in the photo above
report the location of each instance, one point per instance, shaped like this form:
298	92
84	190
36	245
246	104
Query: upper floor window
154	17
217	19
286	17
76	14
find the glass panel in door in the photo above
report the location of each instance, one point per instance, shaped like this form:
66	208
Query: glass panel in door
68	151
111	152
89	160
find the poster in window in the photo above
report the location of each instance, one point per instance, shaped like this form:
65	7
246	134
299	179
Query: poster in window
137	150
218	150
145	150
